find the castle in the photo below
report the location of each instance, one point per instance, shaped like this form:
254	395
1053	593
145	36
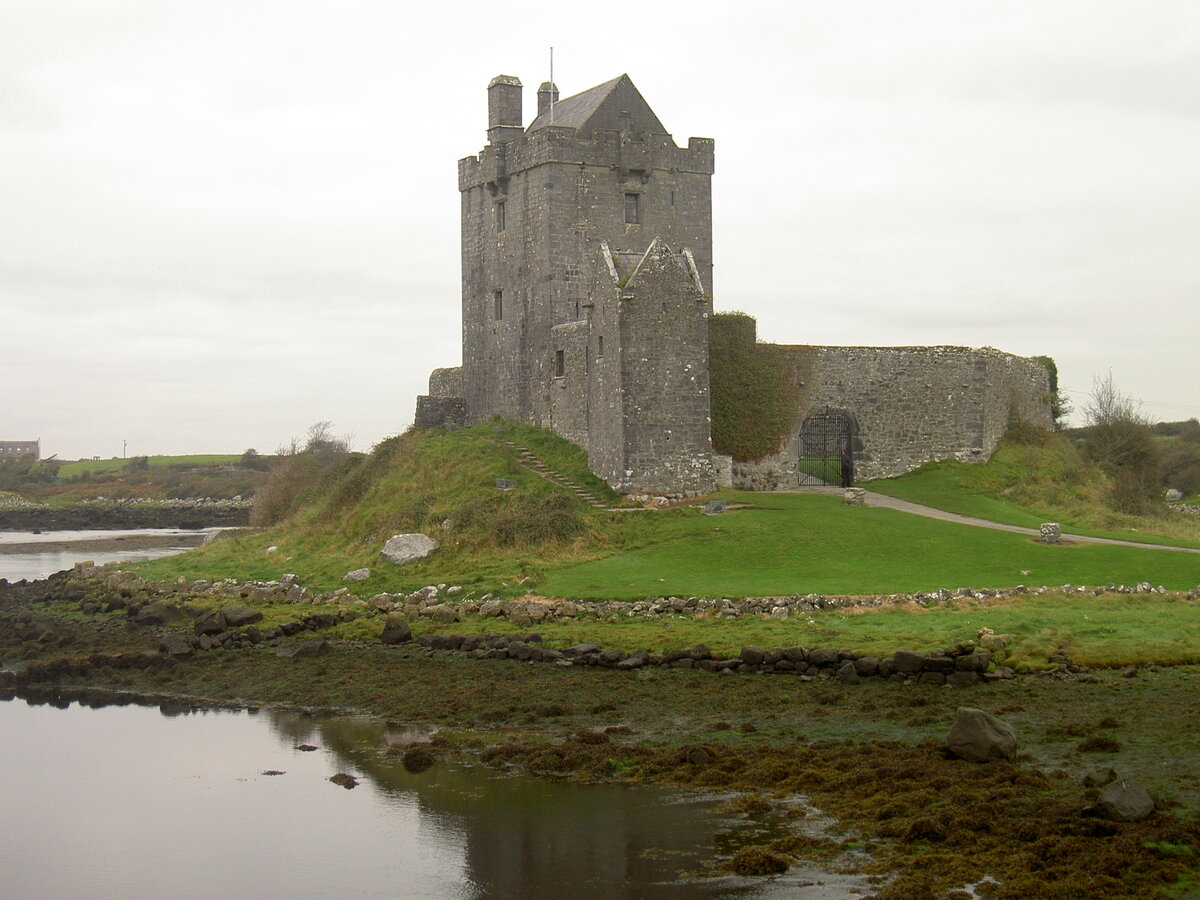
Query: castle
586	307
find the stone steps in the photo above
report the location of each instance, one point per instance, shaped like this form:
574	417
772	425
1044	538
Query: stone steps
533	463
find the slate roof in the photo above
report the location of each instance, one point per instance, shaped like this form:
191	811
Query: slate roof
573	112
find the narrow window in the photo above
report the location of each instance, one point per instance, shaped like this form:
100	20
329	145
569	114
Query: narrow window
632	209
498	305
672	197
560	366
499	216
626	121
600	346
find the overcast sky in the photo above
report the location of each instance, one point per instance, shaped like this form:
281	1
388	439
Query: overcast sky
221	222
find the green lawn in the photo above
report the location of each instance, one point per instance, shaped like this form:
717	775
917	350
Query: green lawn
798	544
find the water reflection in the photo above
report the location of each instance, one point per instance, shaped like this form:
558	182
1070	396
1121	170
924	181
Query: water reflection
137	800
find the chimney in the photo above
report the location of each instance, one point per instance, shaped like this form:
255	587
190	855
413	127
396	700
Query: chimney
504	108
547	94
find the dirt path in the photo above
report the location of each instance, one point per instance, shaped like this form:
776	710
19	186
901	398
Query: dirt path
916	509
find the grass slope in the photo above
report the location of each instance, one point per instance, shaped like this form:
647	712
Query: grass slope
1036	477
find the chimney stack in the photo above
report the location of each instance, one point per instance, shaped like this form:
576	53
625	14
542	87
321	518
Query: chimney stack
504	108
547	94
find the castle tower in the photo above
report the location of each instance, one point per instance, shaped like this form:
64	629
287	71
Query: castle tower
554	332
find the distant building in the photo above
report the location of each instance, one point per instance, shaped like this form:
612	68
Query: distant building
20	449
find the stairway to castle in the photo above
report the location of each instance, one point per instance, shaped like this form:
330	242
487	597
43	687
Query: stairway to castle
533	463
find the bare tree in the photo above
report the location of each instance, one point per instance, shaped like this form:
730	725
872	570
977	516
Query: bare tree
1120	440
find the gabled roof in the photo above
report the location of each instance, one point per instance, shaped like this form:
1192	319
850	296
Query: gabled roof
580	110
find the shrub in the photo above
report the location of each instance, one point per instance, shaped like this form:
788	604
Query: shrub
297	473
1120	440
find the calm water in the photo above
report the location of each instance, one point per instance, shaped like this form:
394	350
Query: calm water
131	802
33	564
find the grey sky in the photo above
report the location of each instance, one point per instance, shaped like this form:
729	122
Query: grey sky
223	221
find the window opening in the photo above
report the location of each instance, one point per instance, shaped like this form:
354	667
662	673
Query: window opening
560	366
498	305
500	223
600	346
633	209
626	121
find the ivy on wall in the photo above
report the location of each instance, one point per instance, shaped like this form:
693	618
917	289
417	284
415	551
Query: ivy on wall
755	389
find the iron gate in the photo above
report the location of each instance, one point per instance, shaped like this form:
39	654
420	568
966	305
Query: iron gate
823	437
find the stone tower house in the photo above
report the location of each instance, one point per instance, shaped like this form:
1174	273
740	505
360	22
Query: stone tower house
587	284
586	304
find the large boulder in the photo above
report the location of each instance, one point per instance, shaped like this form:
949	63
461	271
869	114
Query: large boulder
1125	801
404	548
980	737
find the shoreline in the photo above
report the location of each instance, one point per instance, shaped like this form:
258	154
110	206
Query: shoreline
108	544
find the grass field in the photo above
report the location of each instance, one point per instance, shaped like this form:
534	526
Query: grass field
95	466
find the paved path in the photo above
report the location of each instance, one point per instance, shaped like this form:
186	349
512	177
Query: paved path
883	500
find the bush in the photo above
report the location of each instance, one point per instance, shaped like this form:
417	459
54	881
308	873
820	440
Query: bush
297	474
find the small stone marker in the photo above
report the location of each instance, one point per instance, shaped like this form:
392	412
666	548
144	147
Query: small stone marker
714	507
1051	532
856	496
505	484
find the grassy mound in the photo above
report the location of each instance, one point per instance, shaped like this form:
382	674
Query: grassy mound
440	484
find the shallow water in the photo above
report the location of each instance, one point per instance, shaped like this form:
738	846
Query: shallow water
39	563
131	801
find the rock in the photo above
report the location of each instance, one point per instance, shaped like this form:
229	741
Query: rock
1051	532
311	648
973	662
855	496
161	613
906	662
212	622
1174	495
396	629
822	656
443	612
847	674
349	782
1124	801
714	507
236	616
698	756
1129	672
867	666
980	737
176	645
753	656
305	748
505	484
357	575
405	548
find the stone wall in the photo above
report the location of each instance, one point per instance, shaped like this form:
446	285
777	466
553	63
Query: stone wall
910	405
